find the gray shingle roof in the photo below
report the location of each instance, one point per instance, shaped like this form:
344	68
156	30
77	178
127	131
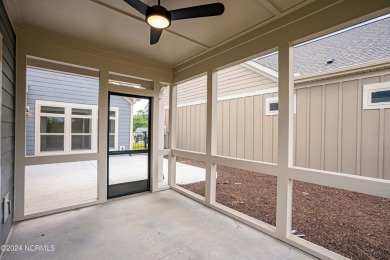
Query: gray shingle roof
358	45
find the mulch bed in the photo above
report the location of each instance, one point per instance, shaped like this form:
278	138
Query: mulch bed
352	224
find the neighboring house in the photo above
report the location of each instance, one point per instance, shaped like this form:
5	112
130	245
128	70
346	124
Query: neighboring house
60	122
342	105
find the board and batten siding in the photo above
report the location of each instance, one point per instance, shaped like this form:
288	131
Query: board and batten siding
332	132
60	87
7	81
233	139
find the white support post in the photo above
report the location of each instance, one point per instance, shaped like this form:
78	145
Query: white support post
211	136
285	142
155	136
103	132
20	137
161	134
172	134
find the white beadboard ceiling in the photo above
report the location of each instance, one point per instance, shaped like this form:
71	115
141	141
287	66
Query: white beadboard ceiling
114	25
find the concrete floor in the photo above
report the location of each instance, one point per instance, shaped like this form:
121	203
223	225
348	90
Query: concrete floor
162	225
53	186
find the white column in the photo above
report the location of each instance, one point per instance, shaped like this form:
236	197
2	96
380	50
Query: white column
155	137
172	134
102	136
211	136
285	141
161	135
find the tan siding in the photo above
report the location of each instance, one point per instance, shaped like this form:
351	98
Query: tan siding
231	81
315	128
197	128
267	134
219	128
248	128
179	129
370	141
301	134
189	129
203	123
193	128
386	146
225	128
233	128
240	128
192	91
257	127
186	135
331	127
332	131
370	138
275	136
349	127
166	97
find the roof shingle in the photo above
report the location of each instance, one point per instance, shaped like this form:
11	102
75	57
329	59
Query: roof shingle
358	45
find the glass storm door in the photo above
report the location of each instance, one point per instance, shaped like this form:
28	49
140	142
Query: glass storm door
128	145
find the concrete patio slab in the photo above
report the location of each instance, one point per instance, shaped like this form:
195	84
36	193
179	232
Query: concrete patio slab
52	186
162	225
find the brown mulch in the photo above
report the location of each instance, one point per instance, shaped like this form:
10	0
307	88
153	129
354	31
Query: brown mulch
352	224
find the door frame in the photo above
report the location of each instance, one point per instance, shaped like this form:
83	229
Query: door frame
146	151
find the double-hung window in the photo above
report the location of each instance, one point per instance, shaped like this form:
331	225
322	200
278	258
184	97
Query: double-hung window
81	133
64	128
51	129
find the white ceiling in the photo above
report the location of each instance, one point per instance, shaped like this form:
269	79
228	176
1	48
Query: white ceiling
114	25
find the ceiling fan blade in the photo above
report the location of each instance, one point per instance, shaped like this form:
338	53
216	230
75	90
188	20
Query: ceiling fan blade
155	35
197	11
138	5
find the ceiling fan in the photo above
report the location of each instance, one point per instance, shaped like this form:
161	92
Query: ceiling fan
160	18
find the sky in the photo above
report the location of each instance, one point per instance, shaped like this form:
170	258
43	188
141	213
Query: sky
140	105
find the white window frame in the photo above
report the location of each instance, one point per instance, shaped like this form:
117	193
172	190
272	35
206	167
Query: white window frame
116	134
271	100
67	126
368	89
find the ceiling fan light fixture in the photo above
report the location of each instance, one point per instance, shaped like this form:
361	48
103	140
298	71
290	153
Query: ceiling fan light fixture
158	17
158	21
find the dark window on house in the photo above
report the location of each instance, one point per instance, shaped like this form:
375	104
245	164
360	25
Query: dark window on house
273	106
380	96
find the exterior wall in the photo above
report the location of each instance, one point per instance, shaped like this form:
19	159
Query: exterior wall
7	117
191	121
60	87
332	131
124	120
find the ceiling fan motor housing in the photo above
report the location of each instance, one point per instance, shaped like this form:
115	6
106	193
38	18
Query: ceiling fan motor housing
158	10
